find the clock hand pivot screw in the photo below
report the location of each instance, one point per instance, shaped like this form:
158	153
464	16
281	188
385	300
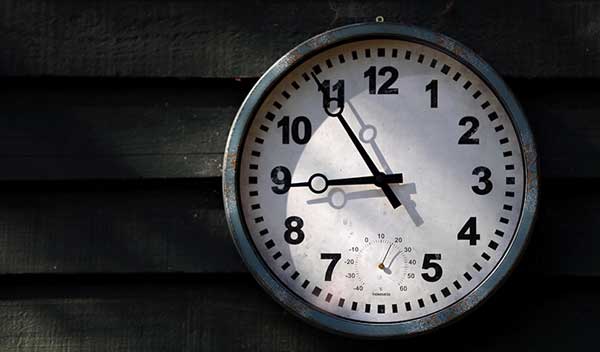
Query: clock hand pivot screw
318	183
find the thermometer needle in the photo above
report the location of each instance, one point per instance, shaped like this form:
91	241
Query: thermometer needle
381	265
385	187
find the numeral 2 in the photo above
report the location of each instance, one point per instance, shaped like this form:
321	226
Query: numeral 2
467	137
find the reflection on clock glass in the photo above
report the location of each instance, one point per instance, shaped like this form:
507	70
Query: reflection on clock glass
381	180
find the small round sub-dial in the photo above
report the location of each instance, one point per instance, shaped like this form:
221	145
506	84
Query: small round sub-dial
381	267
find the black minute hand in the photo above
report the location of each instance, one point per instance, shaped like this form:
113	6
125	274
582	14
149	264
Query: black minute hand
385	187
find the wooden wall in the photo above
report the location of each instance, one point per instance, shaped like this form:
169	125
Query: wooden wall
113	120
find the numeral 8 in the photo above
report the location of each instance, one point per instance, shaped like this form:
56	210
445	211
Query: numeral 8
294	224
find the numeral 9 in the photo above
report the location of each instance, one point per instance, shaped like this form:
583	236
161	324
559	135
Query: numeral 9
281	176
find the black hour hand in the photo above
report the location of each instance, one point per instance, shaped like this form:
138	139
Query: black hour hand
318	183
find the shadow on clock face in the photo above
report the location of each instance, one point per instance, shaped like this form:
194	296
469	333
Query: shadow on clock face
337	198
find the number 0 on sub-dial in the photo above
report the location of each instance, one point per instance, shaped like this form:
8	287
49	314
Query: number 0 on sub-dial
381	180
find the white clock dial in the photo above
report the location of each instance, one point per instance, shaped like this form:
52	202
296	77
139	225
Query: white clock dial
398	206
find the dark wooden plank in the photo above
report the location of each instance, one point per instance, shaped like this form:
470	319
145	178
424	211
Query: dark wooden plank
565	240
65	129
179	226
564	118
121	227
114	129
220	39
205	314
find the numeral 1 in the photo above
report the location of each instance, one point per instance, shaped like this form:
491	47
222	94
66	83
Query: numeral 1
432	87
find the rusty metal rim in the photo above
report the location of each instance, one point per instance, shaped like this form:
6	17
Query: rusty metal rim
237	226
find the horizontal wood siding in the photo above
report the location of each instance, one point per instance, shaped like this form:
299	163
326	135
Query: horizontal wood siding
179	226
233	38
113	120
213	314
58	129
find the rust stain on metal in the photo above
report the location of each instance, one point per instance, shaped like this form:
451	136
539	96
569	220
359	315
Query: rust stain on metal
228	188
447	43
529	151
291	57
232	160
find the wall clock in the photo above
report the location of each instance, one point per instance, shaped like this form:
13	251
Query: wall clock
380	180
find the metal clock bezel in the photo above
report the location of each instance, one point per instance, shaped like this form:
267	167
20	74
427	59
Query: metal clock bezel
238	229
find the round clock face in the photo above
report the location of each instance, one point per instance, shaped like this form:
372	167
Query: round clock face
380	180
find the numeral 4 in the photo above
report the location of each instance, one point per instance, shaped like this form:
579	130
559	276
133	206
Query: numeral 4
469	232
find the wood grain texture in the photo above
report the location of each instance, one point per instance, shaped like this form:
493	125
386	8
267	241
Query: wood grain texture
232	38
58	129
209	314
116	228
179	226
113	119
70	129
